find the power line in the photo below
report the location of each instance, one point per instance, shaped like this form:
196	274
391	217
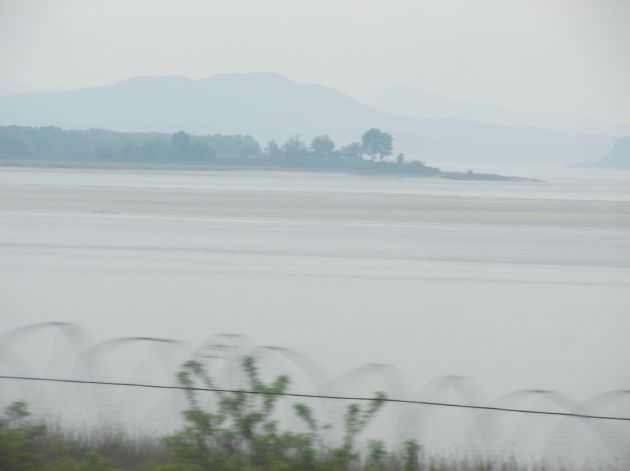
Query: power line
317	396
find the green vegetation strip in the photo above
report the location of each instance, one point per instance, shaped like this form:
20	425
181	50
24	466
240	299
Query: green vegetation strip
317	396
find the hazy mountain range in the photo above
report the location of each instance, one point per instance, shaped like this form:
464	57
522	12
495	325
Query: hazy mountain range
418	103
269	106
619	156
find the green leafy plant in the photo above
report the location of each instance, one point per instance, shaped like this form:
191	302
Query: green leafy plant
243	432
26	445
17	439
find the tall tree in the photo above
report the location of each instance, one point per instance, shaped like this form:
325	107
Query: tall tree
323	145
181	143
377	143
294	148
353	150
272	149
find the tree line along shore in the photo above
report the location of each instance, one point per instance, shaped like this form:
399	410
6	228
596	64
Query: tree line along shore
53	146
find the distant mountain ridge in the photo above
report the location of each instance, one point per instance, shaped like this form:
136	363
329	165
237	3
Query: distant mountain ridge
269	106
418	103
619	156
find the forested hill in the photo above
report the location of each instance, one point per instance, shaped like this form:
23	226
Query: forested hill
21	145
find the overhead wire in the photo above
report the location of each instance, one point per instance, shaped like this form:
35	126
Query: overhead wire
319	396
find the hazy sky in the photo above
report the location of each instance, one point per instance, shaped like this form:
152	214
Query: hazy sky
539	55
